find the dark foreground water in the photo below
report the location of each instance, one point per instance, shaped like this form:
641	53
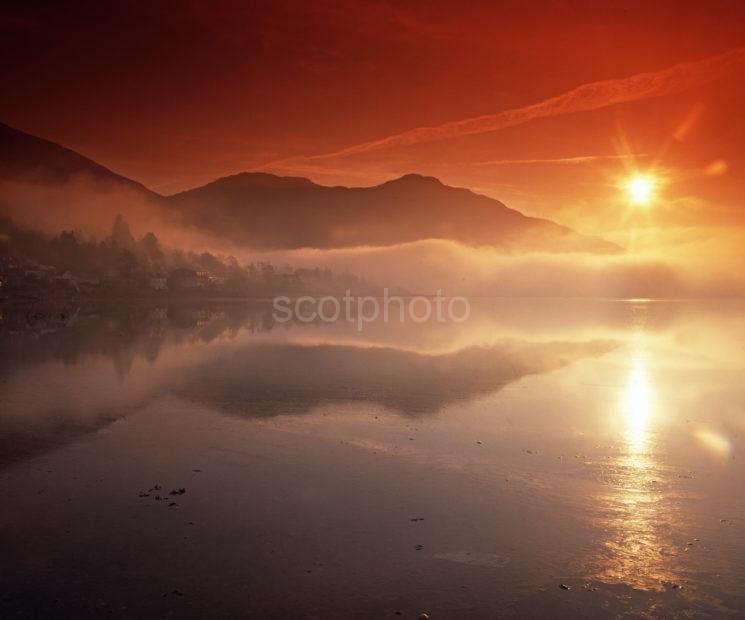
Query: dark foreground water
545	459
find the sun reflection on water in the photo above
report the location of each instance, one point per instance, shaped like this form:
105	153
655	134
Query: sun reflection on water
638	405
634	510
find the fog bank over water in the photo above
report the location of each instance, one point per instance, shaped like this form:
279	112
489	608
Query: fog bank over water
674	270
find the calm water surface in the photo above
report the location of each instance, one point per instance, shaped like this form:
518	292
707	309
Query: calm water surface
470	470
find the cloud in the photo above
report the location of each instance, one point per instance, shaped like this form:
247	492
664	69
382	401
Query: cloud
577	159
587	97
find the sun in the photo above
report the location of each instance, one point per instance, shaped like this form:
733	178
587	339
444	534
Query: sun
641	189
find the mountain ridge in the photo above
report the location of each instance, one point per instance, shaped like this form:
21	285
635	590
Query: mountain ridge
265	211
409	208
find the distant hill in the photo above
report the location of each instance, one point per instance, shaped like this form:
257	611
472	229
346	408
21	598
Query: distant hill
268	212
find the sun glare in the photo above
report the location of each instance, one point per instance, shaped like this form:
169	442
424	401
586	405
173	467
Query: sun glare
640	189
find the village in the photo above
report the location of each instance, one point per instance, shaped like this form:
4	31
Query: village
33	280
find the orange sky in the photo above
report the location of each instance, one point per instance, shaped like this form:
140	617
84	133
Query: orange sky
177	97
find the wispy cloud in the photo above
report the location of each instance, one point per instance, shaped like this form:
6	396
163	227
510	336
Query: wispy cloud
587	97
577	159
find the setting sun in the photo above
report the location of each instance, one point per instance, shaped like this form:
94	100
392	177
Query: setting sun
640	189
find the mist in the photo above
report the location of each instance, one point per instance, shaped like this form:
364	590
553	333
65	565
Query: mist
671	271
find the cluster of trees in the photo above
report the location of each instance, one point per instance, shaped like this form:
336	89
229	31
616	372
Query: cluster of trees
122	261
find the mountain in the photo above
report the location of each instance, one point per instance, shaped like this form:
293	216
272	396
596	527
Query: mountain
268	212
26	158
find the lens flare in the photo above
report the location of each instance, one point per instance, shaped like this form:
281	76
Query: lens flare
715	442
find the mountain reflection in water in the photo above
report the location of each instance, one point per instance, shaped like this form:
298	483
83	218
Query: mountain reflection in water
58	369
